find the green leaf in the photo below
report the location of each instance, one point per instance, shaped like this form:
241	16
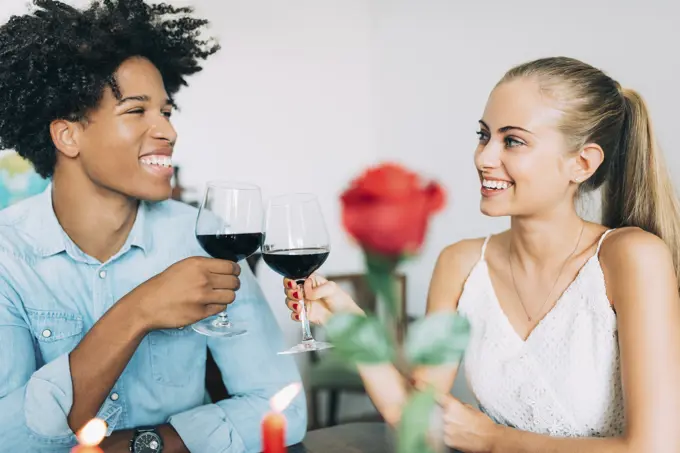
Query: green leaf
415	423
437	339
360	339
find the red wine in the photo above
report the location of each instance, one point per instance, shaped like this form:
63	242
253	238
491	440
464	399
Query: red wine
296	263
232	247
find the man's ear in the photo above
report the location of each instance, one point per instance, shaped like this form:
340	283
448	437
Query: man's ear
65	136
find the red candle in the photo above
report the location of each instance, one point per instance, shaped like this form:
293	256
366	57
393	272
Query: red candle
274	433
90	436
274	423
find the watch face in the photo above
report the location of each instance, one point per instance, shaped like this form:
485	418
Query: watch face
147	443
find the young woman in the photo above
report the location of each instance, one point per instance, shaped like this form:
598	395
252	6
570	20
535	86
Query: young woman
575	343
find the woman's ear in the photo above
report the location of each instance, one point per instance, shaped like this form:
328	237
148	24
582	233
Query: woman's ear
587	162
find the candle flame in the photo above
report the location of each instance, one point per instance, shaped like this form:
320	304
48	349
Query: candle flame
285	396
92	433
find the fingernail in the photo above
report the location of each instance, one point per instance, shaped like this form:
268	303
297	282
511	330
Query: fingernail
297	317
290	284
295	306
296	295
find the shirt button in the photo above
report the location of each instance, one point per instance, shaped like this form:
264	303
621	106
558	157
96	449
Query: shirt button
47	333
114	396
102	274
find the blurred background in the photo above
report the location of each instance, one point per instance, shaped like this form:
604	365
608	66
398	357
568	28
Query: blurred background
305	94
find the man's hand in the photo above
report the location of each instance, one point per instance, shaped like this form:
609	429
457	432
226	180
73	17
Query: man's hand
186	292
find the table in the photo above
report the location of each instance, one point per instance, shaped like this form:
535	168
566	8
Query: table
349	438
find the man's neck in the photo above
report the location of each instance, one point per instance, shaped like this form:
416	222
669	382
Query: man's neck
97	220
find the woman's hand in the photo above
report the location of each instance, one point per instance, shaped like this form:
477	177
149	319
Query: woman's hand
322	298
466	428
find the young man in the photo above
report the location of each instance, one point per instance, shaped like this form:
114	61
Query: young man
100	276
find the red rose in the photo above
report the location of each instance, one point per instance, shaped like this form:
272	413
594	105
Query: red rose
388	208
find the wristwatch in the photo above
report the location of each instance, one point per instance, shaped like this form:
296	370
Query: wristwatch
146	440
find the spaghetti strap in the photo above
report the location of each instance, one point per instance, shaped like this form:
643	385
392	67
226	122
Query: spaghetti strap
486	241
599	243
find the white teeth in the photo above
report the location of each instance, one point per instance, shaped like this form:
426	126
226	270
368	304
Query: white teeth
162	161
494	184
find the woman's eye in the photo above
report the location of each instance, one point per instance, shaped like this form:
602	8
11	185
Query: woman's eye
483	136
136	111
512	142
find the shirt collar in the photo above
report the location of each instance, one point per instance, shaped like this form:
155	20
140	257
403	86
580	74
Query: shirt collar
141	235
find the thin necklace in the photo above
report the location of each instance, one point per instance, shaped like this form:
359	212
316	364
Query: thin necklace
514	283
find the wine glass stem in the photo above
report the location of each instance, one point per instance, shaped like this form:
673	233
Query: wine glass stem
306	330
222	319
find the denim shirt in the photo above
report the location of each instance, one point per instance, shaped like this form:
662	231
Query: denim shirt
51	294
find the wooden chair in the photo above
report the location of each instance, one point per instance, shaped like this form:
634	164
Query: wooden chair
327	373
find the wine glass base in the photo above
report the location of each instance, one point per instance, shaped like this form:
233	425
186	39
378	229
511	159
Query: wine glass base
213	327
307	346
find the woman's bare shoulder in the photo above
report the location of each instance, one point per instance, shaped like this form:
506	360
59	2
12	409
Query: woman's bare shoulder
631	243
463	253
453	267
633	259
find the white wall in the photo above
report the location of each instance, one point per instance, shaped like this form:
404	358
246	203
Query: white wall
286	103
306	93
315	90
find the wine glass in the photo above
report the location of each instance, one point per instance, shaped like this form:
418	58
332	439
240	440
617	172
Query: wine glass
295	245
229	227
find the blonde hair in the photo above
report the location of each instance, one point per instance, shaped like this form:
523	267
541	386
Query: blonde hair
637	187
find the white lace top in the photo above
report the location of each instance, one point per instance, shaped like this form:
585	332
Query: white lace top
564	380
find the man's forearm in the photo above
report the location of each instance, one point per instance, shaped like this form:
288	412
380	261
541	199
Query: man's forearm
97	362
119	441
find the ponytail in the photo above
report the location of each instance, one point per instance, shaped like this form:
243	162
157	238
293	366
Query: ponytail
638	191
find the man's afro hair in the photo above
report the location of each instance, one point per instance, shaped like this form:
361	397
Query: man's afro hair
56	62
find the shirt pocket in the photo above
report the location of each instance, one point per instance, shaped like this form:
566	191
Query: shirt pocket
56	332
177	356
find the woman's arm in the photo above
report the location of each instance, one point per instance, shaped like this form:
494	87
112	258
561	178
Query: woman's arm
383	383
446	286
642	285
644	290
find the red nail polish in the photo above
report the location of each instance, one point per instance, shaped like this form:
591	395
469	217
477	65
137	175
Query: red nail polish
296	295
297	317
295	306
290	284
